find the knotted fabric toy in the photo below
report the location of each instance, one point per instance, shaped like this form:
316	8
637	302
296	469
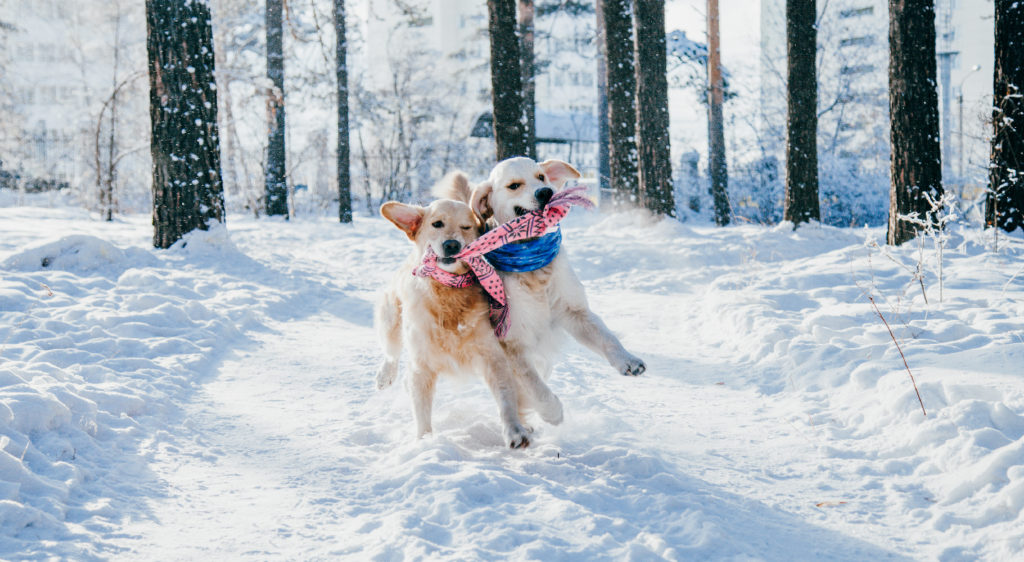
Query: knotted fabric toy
530	225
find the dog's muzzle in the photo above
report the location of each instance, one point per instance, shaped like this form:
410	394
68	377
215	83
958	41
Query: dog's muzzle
450	248
543	195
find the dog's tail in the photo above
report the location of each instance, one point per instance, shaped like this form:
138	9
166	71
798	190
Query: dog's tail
455	185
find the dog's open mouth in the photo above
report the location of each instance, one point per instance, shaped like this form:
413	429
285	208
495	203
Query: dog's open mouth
520	211
446	261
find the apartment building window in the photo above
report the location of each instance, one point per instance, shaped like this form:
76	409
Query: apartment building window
581	79
861	97
857	12
863	41
46	53
48	95
855	69
25	52
473	20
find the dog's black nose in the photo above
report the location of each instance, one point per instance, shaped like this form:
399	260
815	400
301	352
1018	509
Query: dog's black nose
543	195
451	247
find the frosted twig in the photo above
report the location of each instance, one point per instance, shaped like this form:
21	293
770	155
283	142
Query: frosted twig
898	348
1010	280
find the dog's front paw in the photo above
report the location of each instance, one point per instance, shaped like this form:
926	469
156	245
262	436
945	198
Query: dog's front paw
386	374
634	366
517	437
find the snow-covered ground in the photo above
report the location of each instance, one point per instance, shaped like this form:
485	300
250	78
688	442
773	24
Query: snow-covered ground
216	400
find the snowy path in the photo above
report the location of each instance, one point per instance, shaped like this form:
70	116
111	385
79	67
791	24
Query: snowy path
256	470
286	459
775	421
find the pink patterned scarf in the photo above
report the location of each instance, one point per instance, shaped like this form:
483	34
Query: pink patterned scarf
530	225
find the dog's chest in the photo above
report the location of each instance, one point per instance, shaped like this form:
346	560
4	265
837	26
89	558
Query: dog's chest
448	325
445	318
530	303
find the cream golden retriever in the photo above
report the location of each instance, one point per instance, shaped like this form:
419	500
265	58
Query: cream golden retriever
544	301
447	330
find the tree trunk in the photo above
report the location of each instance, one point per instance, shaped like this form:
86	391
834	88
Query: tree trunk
913	115
716	135
341	62
529	73
187	188
801	204
1004	205
506	80
112	138
603	154
621	79
652	120
276	185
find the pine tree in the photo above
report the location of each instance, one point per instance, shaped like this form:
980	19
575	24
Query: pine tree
276	186
913	115
341	71
506	80
1004	205
187	190
801	204
652	119
620	77
529	72
716	134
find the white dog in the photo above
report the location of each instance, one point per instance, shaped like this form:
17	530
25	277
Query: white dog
446	329
551	297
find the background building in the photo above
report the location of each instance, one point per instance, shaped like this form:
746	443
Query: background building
75	96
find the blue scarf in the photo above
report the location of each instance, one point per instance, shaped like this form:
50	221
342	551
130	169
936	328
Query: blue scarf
526	256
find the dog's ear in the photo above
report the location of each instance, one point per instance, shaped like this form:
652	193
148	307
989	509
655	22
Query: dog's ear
481	227
480	201
558	172
405	217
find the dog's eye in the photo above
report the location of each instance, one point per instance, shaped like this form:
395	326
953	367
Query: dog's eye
437	224
466	227
515	185
540	177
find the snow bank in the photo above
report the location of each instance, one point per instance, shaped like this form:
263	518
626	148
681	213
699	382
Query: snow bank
96	338
791	309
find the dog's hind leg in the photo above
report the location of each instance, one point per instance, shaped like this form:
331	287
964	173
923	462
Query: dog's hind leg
388	319
421	388
499	379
